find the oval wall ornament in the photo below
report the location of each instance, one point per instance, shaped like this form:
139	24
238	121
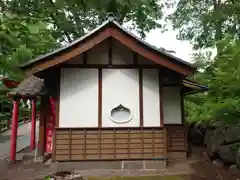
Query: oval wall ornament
121	114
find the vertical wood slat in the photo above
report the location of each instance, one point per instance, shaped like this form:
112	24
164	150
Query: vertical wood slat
114	143
165	141
182	106
99	143
129	143
57	98
100	98
153	142
141	96
85	144
54	146
70	144
142	141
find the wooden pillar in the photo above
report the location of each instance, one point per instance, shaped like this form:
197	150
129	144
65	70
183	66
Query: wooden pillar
182	105
14	130
161	100
41	145
33	126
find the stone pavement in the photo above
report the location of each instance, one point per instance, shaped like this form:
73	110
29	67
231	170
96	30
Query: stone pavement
195	168
23	139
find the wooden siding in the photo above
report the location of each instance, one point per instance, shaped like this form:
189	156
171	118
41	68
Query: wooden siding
72	144
177	138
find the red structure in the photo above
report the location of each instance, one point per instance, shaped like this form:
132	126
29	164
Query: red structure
33	126
14	130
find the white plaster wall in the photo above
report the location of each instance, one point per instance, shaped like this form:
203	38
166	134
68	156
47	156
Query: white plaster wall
98	54
120	86
121	54
78	98
172	105
151	109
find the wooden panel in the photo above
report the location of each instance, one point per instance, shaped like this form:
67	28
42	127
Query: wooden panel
78	141
77	157
62	152
62	157
61	141
107	156
109	144
77	146
62	136
77	136
62	147
176	138
61	132
77	151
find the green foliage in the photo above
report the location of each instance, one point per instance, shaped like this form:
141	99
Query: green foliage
206	22
222	101
22	38
71	19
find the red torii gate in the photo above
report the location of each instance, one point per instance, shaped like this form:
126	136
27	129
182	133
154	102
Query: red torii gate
22	90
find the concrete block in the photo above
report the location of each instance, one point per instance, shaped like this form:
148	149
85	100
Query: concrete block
155	164
134	165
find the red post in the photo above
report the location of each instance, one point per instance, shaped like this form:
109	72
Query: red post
14	130
33	127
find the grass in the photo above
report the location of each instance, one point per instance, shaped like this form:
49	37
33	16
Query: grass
139	178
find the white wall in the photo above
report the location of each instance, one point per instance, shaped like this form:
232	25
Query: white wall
151	109
172	105
78	98
120	86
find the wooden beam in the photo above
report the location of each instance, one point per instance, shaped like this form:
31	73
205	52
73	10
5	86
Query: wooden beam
161	99
182	105
110	52
114	66
86	45
100	98
140	72
97	38
149	54
57	98
42	126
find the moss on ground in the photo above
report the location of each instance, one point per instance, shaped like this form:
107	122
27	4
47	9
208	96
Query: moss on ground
139	178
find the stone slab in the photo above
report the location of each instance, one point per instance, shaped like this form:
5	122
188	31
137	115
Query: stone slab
155	164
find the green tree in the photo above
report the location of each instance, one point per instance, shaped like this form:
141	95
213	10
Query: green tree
71	19
203	22
22	38
222	101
